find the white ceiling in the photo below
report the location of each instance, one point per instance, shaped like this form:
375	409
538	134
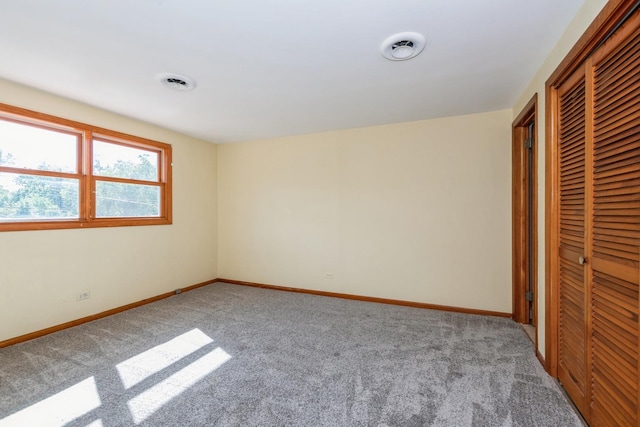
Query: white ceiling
281	67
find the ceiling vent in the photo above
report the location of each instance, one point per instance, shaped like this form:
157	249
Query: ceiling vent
402	46
176	81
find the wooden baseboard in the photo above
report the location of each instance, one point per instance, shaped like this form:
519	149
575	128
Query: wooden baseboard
369	299
66	325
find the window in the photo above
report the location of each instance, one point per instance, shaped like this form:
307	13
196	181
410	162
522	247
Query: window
55	173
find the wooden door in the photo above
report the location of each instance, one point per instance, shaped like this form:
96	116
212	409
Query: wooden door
599	231
614	263
572	319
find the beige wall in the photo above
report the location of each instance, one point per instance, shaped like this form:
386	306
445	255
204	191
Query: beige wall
576	28
41	272
416	211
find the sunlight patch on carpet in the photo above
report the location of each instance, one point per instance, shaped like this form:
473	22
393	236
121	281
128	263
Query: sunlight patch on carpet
149	401
59	409
154	360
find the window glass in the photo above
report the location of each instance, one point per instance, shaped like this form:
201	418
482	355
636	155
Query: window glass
59	174
116	199
30	147
33	197
122	161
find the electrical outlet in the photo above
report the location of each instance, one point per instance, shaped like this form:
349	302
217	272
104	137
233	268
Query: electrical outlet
328	275
83	296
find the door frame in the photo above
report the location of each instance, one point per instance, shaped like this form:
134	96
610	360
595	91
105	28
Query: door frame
525	226
611	15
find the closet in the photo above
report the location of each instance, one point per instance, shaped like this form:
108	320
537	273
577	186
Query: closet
597	220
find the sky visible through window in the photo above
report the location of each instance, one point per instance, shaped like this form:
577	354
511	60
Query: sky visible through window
108	155
29	147
25	146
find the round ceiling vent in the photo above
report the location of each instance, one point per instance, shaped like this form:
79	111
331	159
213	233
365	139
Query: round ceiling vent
402	46
176	81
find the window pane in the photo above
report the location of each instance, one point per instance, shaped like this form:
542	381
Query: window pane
115	199
124	162
24	146
31	197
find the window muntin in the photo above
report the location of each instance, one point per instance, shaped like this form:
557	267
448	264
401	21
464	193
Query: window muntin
56	173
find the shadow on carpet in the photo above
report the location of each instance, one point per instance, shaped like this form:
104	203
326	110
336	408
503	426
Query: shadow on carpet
227	355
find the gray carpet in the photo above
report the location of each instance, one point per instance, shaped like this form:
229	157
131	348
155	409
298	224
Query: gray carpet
227	355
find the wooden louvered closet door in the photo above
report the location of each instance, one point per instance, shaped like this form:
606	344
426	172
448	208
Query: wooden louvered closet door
572	318
599	231
616	231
